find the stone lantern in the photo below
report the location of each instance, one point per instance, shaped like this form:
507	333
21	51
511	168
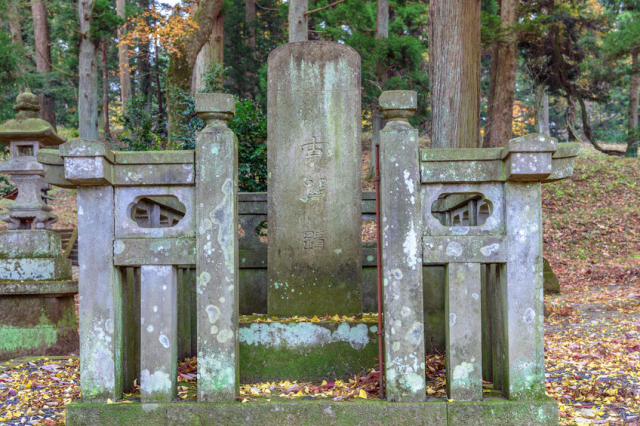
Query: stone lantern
25	135
37	313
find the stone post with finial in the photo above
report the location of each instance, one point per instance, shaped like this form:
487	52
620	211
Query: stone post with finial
401	249
37	315
217	284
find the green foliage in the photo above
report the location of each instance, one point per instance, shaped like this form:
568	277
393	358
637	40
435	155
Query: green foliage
250	126
5	186
142	130
213	78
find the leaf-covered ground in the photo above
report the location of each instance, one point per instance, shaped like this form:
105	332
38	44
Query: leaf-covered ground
592	336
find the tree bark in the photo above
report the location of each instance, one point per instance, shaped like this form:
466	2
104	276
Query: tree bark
298	20
211	52
180	72
454	35
541	106
123	59
13	15
382	31
499	128
144	65
105	90
249	19
43	56
88	76
634	86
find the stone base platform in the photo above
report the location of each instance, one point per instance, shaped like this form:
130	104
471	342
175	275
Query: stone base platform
314	351
37	318
490	412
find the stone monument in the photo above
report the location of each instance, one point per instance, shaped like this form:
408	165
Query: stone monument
314	201
37	312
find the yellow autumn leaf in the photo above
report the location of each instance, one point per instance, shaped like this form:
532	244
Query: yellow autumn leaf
315	319
362	394
335	318
109	401
324	382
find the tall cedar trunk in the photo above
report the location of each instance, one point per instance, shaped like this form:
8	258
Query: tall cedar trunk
504	64
298	20
634	86
13	15
88	76
382	31
180	70
454	34
43	56
105	90
570	120
249	19
144	67
541	106
123	59
211	52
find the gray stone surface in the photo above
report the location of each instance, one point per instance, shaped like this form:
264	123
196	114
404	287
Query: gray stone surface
100	285
159	333
402	253
314	157
523	365
30	243
464	335
217	252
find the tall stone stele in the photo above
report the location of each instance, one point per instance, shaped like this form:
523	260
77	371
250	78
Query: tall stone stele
315	193
37	314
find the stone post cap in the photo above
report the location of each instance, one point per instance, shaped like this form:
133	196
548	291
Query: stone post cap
27	126
86	148
534	142
215	106
27	105
398	104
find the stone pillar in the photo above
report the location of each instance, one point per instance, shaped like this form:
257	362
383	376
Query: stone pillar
217	250
100	308
159	333
464	335
522	293
402	249
314	201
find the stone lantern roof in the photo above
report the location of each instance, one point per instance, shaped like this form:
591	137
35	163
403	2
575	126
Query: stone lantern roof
27	125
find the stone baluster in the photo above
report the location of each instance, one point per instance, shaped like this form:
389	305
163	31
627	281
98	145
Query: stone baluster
402	249
217	250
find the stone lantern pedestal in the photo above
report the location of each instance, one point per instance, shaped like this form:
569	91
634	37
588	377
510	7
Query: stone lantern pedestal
37	313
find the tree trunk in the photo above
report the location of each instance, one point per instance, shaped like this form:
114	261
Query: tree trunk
541	106
249	19
180	71
13	15
454	35
88	81
105	90
43	56
123	59
503	80
634	86
570	120
298	20
377	122
144	66
211	52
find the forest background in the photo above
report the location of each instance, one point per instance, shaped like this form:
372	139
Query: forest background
568	68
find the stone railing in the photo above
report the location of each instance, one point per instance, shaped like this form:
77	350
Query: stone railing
465	208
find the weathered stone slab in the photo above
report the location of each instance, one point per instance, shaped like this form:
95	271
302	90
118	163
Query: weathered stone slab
48	288
523	342
217	252
402	251
274	413
153	174
159	333
486	249
100	285
314	156
29	244
499	412
88	170
35	269
464	336
154	251
154	157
